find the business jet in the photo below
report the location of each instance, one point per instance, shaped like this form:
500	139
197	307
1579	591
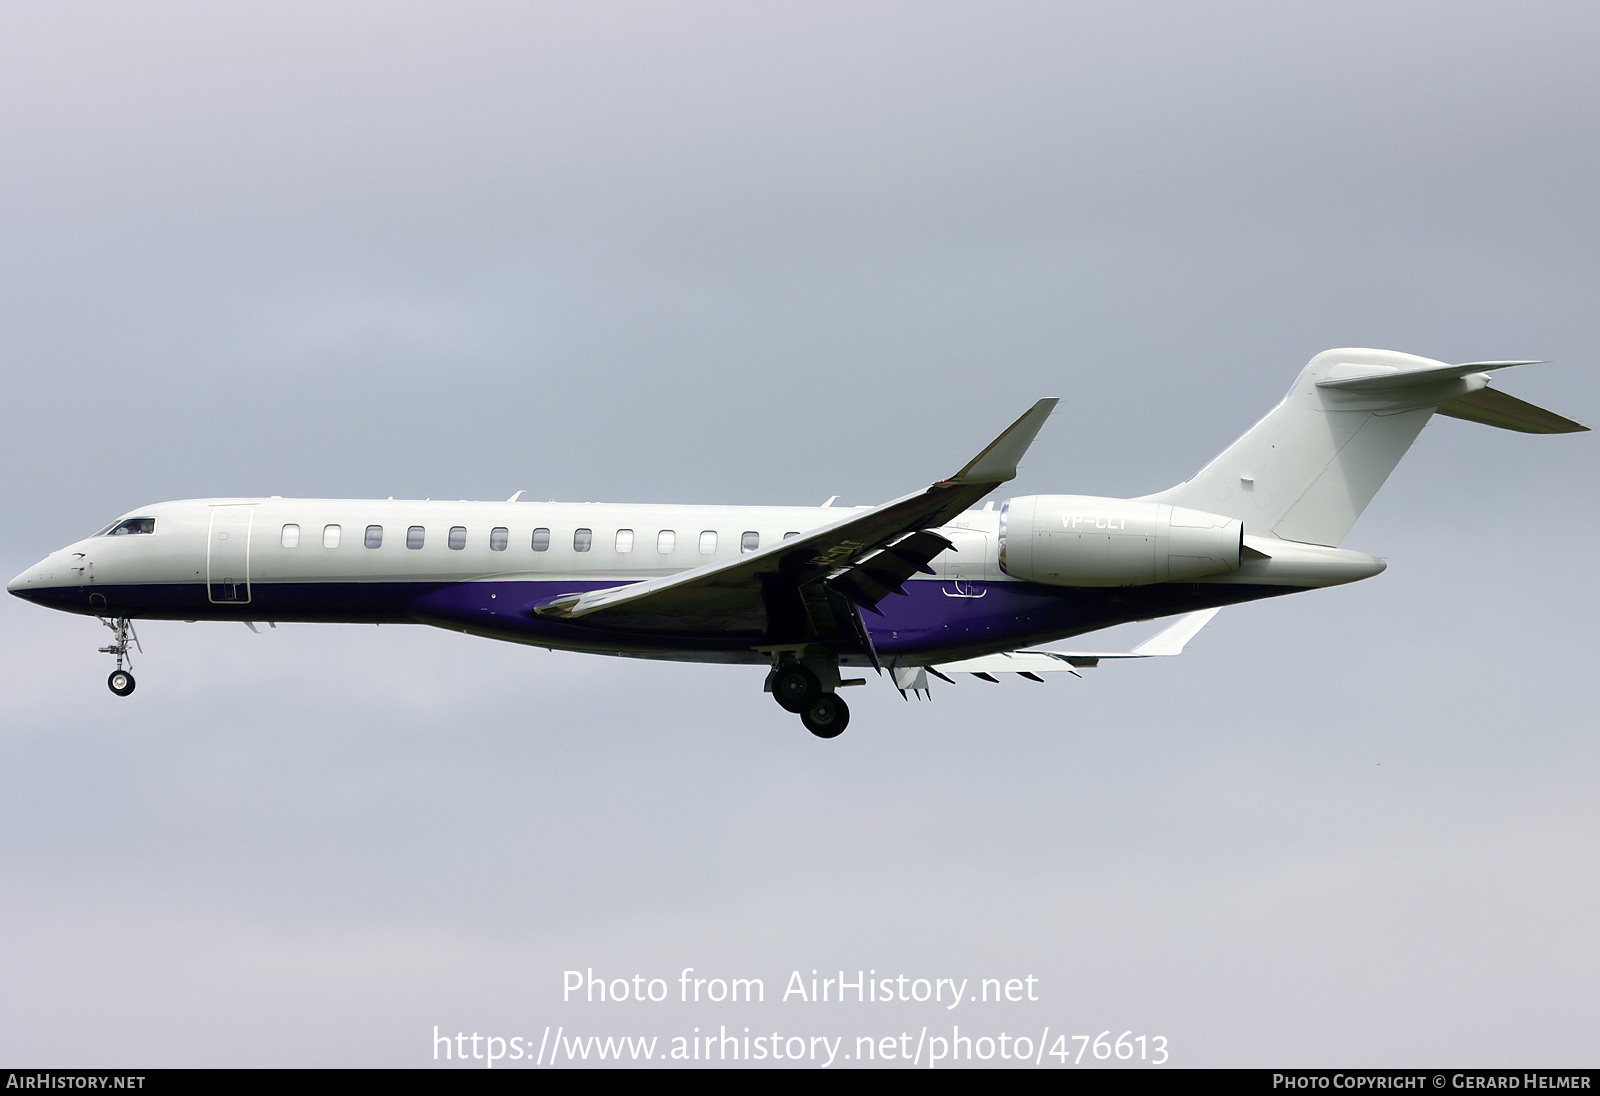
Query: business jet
922	585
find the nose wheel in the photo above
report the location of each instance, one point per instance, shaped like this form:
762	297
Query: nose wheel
121	680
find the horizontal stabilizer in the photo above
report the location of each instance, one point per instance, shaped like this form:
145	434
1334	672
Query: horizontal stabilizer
1395	379
1491	407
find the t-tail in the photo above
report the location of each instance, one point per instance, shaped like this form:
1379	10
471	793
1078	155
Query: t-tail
1308	469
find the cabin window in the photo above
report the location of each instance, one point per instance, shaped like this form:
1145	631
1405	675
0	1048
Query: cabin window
330	536
291	536
582	539
624	540
708	542
749	542
667	541
374	536
458	537
414	536
790	535
541	539
131	526
499	537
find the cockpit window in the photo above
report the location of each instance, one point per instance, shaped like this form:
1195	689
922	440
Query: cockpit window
130	526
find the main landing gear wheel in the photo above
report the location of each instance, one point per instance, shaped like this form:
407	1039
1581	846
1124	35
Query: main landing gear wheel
795	687
826	716
121	682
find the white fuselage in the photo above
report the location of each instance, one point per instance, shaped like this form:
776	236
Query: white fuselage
313	542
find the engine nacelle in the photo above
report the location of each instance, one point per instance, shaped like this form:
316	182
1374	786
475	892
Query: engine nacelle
1080	540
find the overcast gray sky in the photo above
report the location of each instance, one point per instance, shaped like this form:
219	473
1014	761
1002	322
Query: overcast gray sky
716	252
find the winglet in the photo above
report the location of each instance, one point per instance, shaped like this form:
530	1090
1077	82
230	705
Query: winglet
998	462
1171	640
1166	643
1492	407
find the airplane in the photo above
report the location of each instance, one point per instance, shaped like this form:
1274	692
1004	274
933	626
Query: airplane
923	584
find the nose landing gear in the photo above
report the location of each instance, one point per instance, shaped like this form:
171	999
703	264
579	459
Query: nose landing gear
121	680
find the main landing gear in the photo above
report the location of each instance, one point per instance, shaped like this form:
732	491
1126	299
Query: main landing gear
121	680
798	688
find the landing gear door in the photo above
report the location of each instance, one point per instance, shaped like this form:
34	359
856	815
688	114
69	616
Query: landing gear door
962	572
228	555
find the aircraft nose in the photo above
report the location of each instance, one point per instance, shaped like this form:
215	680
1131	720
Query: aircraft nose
26	585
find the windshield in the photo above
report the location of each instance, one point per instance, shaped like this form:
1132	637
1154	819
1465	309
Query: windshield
128	527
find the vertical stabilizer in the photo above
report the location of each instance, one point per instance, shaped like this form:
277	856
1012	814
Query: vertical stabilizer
1307	470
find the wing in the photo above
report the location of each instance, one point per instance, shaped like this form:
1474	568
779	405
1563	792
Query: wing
807	588
913	680
1165	643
